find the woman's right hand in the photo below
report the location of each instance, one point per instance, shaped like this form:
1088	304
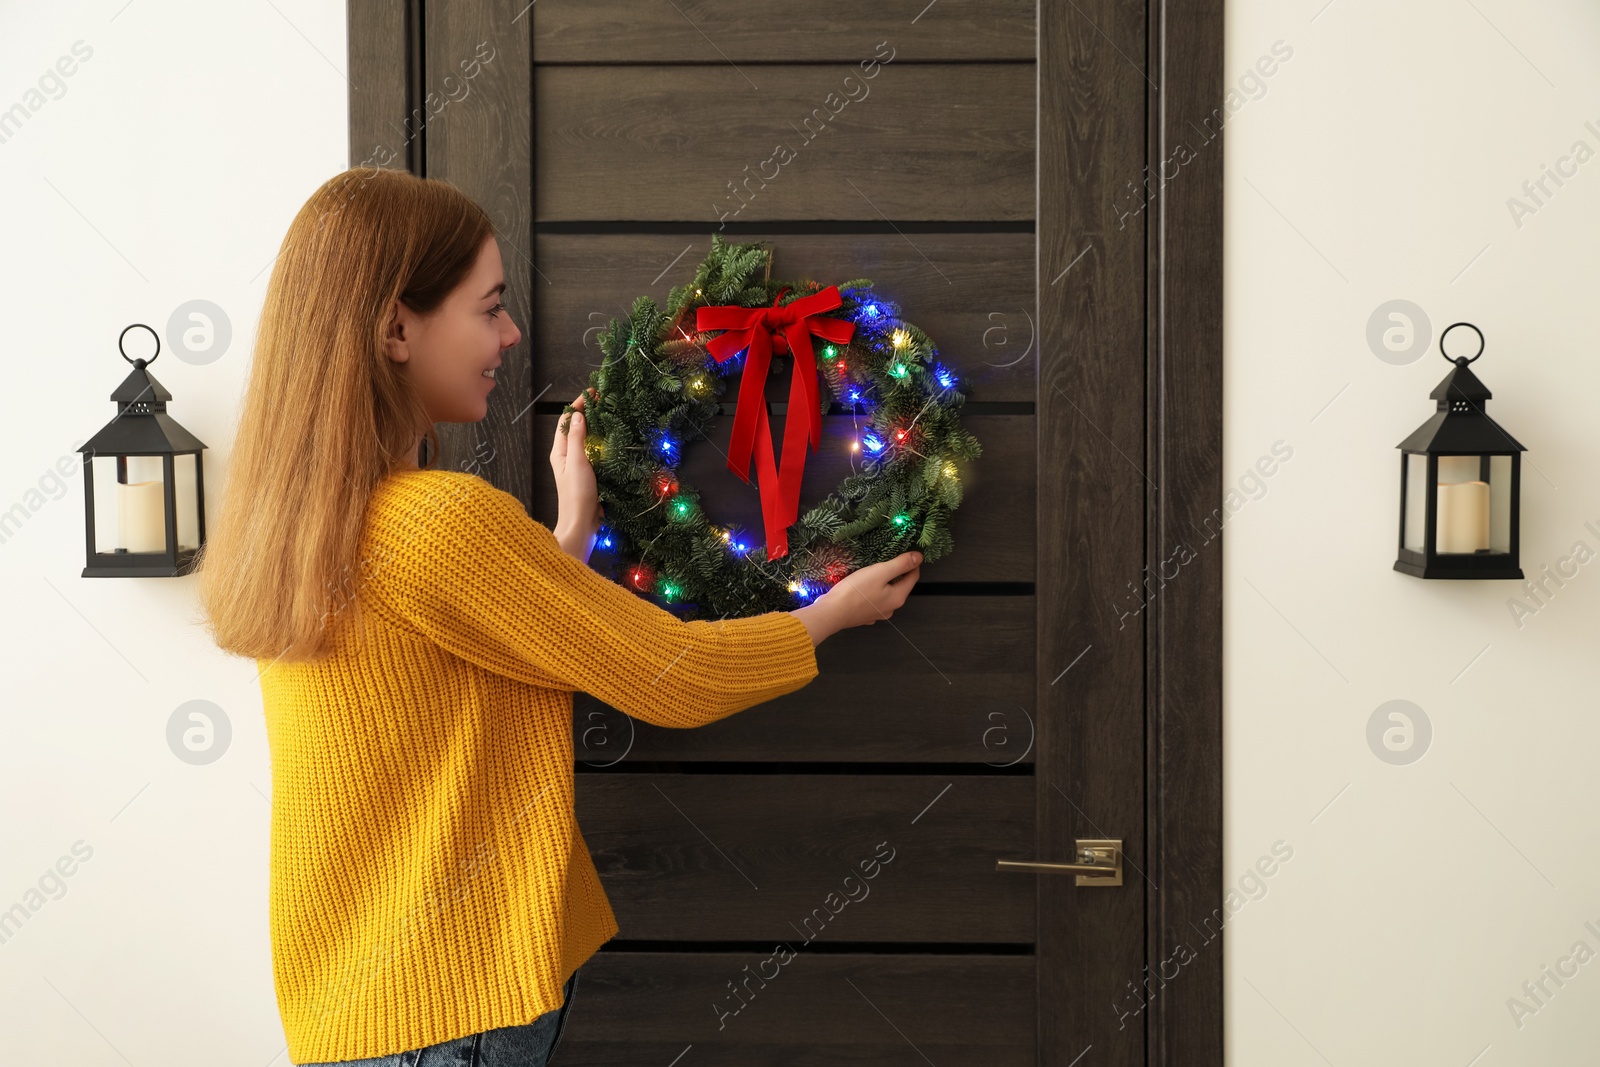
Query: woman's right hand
861	597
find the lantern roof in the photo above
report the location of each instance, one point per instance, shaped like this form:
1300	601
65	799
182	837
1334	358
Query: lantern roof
1460	424
142	426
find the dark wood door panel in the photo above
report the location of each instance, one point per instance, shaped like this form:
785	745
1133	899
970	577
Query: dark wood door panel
950	681
626	31
717	857
993	528
811	1010
930	141
608	140
971	292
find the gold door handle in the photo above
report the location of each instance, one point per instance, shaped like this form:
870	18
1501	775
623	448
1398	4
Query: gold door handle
1099	863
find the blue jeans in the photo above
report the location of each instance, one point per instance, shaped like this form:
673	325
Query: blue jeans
529	1045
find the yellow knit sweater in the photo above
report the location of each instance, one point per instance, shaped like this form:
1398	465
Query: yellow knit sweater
428	878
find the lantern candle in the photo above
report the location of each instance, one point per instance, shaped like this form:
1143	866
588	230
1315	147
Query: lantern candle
141	516
1463	517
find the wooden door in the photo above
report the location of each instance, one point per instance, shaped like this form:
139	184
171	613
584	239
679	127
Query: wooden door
1002	171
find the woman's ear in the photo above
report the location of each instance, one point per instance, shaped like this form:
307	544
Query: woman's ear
396	333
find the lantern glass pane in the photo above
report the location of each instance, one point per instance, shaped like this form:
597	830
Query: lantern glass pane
129	516
188	501
1461	517
1500	503
1456	469
1416	499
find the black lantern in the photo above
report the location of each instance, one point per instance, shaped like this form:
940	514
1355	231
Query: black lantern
1460	484
149	521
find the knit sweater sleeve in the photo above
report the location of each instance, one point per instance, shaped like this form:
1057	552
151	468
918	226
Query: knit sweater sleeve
474	573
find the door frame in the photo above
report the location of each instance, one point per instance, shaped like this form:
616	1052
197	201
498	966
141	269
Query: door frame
1170	116
1138	155
1184	635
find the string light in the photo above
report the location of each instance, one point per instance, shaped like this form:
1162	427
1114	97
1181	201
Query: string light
682	508
897	369
872	443
944	376
950	470
871	310
669	589
900	338
829	351
603	536
901	519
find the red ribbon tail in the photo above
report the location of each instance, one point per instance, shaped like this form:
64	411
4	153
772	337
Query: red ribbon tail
750	418
772	494
803	425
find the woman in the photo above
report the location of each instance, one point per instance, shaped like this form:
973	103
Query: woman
419	639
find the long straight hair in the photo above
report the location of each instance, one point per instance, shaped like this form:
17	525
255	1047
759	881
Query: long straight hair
326	414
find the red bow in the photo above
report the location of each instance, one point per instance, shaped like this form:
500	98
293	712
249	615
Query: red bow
761	330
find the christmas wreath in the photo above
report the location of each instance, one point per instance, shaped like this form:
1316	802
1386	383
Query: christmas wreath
659	385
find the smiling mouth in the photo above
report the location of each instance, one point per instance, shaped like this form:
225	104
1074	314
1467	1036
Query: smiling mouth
489	374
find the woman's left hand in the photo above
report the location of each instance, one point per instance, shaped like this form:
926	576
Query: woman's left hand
578	509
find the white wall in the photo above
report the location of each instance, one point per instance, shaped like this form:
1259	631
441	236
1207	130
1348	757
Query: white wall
164	169
1377	166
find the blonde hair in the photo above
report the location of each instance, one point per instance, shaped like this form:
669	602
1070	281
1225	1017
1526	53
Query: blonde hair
326	414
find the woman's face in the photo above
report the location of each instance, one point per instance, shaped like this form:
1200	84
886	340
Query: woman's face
451	354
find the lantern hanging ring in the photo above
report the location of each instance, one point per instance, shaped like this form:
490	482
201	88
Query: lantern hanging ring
157	336
1460	361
